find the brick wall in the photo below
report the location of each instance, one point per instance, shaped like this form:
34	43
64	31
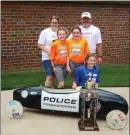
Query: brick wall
22	22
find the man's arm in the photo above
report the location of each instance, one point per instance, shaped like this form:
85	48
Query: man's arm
99	52
99	46
99	49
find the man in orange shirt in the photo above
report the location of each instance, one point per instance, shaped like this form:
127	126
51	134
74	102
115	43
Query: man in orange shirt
78	50
58	56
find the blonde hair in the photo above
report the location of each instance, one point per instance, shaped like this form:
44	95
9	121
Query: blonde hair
63	29
76	27
88	56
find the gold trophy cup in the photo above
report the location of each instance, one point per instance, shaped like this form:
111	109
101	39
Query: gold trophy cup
88	114
89	85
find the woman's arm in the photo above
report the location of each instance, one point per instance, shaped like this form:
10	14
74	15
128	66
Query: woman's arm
74	85
53	66
44	49
96	85
41	42
67	65
53	56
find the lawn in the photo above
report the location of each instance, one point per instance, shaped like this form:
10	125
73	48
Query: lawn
111	76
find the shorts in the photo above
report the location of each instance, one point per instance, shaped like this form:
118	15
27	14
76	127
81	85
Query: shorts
73	67
48	67
61	72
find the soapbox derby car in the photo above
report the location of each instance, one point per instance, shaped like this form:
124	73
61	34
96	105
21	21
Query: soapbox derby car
67	100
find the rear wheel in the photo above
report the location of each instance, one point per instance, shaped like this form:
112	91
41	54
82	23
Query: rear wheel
116	119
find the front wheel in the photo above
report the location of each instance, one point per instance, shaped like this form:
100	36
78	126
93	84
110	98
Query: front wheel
14	109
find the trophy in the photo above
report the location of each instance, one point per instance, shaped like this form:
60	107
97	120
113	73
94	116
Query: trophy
89	99
89	85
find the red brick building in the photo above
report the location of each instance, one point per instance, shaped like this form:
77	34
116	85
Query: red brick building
22	22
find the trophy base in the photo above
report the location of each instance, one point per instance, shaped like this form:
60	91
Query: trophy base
87	126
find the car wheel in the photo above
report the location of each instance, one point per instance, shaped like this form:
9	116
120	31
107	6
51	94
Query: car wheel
116	119
14	109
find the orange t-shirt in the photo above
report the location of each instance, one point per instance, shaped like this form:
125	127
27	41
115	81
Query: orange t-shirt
59	52
78	50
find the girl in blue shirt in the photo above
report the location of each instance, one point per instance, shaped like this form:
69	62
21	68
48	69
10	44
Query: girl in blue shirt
88	72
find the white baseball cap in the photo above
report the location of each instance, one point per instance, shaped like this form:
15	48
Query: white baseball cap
86	14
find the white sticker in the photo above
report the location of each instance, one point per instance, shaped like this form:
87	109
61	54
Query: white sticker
33	93
24	94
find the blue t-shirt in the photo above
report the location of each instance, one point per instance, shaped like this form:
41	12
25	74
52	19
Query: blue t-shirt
83	74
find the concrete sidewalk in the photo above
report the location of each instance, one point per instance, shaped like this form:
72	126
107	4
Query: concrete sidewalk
34	122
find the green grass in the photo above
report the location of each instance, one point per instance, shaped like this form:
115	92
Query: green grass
115	76
111	76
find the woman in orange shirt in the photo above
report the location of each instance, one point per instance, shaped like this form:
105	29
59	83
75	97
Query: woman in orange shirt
58	56
78	50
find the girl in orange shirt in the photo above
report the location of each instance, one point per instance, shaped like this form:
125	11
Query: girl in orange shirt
78	50
58	56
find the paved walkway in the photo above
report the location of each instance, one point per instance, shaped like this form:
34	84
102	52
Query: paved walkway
39	123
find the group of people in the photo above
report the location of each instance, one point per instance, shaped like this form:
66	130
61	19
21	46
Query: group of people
75	54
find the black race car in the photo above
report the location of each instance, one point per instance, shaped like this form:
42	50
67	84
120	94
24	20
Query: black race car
68	100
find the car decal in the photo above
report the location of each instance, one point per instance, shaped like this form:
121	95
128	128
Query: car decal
60	102
24	94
